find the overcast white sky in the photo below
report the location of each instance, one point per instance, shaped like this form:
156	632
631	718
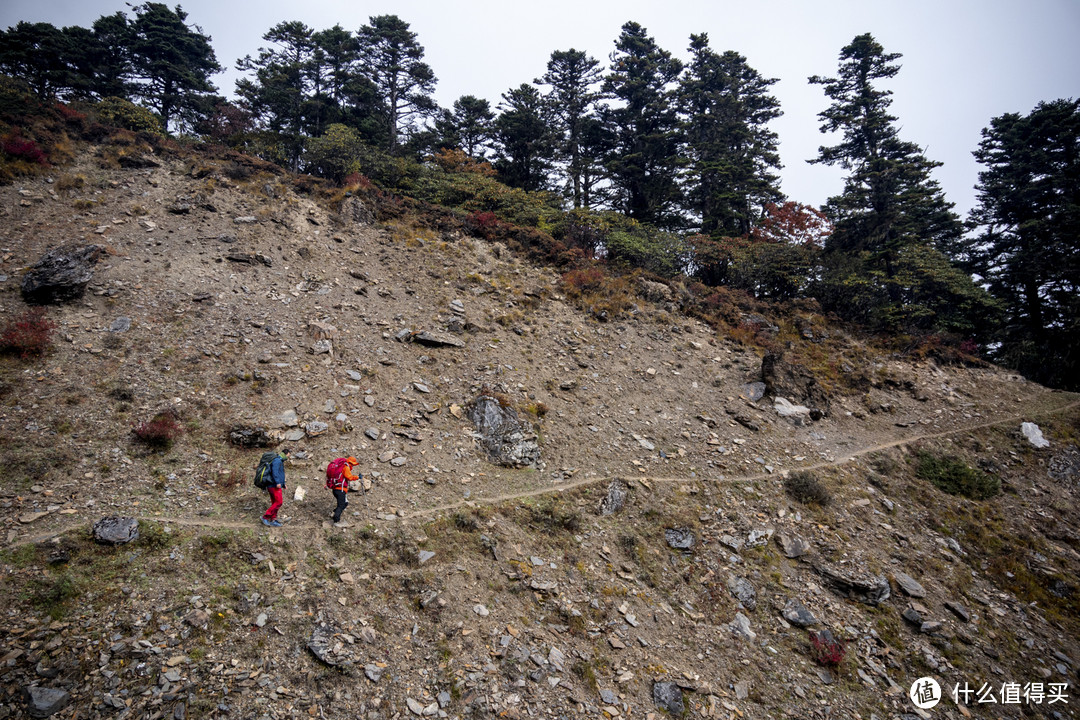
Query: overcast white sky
965	61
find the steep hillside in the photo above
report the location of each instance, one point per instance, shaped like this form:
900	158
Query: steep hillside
226	299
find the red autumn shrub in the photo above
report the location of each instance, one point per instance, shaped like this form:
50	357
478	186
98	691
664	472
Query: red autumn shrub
826	650
158	432
28	335
20	148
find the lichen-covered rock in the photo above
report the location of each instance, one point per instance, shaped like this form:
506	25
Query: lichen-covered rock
615	499
500	432
61	274
116	530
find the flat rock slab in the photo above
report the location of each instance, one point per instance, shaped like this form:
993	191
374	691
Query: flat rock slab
615	499
435	339
116	530
909	585
668	696
869	589
60	275
322	645
41	702
793	546
679	538
798	614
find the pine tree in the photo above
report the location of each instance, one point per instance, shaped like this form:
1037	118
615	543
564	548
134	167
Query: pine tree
572	106
172	63
278	93
889	199
883	262
468	126
726	108
525	144
643	166
392	59
1027	240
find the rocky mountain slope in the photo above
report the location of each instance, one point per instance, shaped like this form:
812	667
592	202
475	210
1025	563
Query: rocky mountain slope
664	539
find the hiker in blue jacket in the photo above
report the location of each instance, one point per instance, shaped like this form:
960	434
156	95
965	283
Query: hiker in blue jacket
276	488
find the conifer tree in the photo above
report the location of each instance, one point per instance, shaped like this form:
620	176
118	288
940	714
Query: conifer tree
726	108
572	106
393	60
1026	243
525	143
643	165
172	63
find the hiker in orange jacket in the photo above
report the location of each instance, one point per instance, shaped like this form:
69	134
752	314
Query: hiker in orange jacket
338	475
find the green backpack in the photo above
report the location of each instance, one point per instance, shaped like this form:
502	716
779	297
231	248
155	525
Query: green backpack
263	479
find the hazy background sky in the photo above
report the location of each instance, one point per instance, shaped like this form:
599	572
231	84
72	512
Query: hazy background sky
964	61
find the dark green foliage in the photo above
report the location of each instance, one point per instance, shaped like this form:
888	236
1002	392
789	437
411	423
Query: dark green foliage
955	477
468	127
804	487
525	145
392	60
726	108
892	217
572	106
644	162
171	64
125	114
1027	244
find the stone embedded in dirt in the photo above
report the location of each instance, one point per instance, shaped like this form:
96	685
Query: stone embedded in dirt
791	380
41	702
958	610
354	210
249	259
424	555
753	391
798	614
929	628
399	461
435	339
373	672
60	275
792	546
502	434
1034	435
250	437
615	499
198	619
322	347
315	428
741	626
679	538
116	530
743	591
912	616
869	589
668	696
322	646
909	585
120	324
795	414
372	433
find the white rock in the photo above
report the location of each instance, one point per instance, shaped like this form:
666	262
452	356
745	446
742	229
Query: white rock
1034	435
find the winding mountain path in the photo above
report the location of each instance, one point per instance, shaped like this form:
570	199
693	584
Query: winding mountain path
568	486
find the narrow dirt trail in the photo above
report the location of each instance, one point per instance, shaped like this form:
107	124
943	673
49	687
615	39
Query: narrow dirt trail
568	486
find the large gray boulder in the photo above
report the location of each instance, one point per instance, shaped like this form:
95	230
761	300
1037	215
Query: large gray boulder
507	441
60	275
41	702
116	530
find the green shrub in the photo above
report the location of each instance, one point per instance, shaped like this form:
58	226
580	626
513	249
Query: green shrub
807	489
126	114
955	477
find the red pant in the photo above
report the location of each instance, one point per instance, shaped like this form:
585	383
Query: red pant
276	501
